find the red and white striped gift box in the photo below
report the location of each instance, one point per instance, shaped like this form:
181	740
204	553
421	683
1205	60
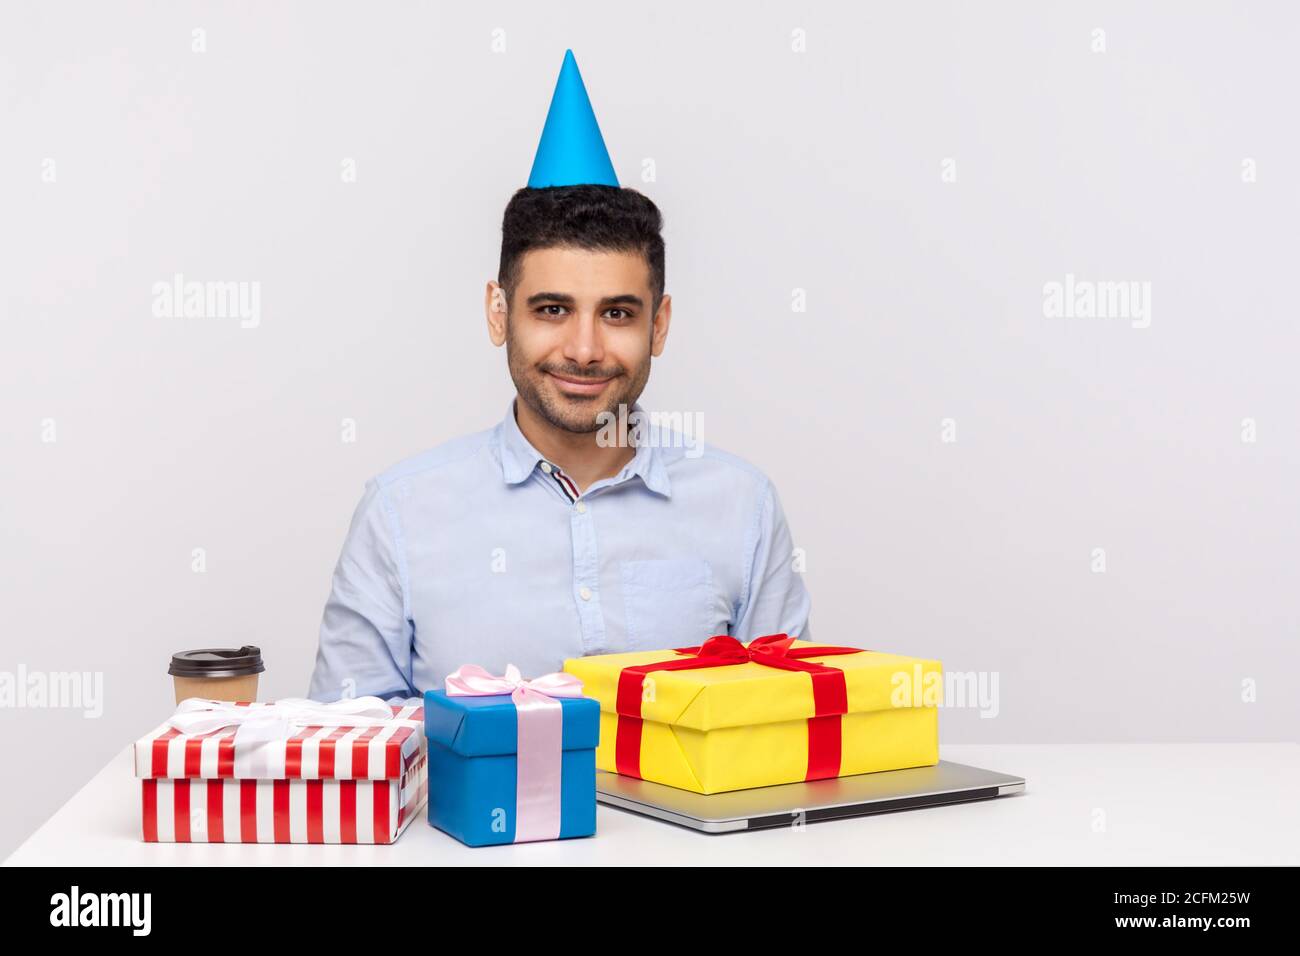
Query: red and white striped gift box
323	785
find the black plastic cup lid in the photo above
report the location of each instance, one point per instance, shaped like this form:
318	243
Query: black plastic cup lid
217	662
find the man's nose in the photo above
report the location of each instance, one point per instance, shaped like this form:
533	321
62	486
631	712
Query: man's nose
584	344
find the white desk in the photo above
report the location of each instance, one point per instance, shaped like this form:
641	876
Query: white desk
1177	804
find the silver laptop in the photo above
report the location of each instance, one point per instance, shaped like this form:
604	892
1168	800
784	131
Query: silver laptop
788	803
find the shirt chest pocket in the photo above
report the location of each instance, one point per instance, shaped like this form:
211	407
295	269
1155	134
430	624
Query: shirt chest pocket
670	603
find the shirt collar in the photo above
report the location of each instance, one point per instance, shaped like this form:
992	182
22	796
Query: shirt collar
519	459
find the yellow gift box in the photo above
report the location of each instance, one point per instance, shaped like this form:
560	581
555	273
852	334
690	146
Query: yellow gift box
749	724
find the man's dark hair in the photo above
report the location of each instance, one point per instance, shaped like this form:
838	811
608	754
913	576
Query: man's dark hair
597	218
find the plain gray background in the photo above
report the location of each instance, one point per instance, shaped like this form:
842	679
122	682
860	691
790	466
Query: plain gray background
776	170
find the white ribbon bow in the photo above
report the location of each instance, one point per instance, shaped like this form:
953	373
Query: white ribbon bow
270	724
283	719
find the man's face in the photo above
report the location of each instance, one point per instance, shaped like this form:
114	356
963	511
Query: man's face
580	334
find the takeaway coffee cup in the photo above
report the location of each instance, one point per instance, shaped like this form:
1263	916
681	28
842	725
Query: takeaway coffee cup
217	673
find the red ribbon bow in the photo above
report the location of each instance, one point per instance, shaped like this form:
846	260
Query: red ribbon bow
830	694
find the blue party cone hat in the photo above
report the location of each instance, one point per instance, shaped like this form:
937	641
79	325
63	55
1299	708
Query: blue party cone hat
572	151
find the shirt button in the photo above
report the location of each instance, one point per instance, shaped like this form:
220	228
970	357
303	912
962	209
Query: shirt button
585	594
582	508
546	467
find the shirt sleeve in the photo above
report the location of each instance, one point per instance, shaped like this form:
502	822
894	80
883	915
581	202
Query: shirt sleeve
365	636
776	600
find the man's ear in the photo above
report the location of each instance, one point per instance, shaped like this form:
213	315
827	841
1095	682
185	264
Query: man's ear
663	318
494	304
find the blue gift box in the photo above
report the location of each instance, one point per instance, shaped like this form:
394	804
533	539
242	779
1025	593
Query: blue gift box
473	761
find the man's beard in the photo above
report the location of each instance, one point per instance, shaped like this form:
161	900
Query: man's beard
574	413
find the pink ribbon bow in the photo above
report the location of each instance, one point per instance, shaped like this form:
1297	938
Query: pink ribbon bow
540	723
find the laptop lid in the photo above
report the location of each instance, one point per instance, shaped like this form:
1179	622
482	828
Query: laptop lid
790	803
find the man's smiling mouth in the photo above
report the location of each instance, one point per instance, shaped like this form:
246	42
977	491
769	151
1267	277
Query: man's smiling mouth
580	386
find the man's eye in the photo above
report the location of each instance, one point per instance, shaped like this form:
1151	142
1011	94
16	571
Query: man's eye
622	314
546	310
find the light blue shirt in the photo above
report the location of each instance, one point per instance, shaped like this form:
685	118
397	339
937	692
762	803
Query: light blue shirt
478	552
